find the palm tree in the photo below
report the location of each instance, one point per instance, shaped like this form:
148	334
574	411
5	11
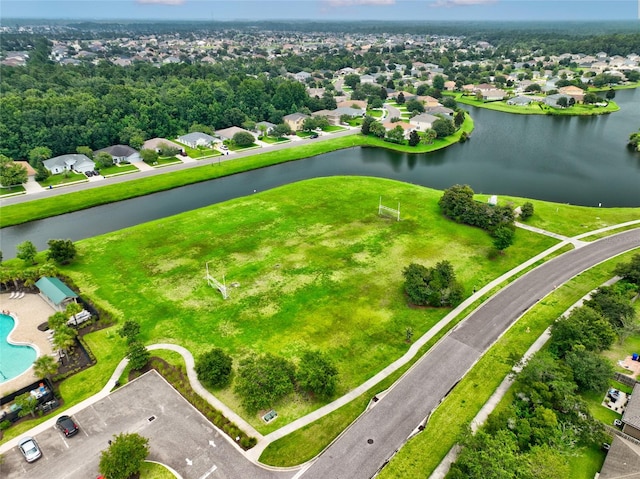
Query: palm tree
48	269
64	338
71	310
45	366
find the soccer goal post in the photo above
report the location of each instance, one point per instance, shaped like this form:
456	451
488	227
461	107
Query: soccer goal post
387	211
214	283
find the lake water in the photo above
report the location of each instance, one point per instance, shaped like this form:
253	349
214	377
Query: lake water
577	160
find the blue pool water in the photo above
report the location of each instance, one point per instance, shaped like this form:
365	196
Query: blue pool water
14	360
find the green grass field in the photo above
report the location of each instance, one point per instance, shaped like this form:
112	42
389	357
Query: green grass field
316	267
62	179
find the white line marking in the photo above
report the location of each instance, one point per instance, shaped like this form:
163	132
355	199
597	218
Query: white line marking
209	472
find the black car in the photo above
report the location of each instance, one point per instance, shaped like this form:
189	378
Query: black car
313	135
67	426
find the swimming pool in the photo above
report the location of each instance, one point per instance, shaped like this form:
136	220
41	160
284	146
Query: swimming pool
14	360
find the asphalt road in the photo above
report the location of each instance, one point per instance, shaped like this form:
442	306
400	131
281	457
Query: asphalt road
365	447
179	436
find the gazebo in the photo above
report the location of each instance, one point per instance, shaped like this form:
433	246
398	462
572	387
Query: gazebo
55	292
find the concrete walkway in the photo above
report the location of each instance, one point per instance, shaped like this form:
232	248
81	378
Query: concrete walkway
575	242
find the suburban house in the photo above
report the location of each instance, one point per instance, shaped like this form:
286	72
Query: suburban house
72	162
196	139
122	154
156	143
575	92
362	104
302	76
268	127
622	461
492	94
423	122
442	111
429	101
227	133
333	116
55	292
631	416
521	100
552	100
450	85
295	120
407	127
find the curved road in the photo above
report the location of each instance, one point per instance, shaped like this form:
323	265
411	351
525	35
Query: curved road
369	442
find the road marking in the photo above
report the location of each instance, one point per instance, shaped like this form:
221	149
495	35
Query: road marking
211	443
209	472
189	462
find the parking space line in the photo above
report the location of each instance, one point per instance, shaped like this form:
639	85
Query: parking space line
209	472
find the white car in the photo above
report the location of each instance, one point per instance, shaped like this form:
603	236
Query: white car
29	449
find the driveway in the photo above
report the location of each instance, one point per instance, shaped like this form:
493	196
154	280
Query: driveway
179	436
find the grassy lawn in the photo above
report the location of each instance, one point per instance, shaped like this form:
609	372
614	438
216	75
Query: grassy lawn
464	402
303	134
118	170
196	153
62	179
152	470
166	161
571	220
316	266
333	128
13	190
375	113
233	147
273	139
536	108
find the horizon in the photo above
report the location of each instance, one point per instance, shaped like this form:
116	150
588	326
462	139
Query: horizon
324	10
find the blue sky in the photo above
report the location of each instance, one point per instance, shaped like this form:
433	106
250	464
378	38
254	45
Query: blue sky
434	10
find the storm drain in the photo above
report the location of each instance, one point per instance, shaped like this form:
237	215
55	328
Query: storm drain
152	418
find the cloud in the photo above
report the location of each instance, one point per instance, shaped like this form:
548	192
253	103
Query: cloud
460	3
161	2
351	3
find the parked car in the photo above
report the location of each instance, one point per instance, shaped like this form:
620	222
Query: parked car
67	426
29	449
313	135
617	423
613	394
224	147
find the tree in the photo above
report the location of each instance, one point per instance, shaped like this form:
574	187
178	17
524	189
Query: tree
590	98
503	237
64	337
526	211
214	368
429	135
611	94
281	130
414	106
38	154
562	102
27	251
395	135
366	124
129	330
86	151
138	355
71	310
352	80
263	380
61	251
45	366
443	128
634	141
630	271
243	139
317	374
435	286
124	456
458	119
584	327
414	138
11	173
591	371
400	99
377	129
41	173
438	82
164	150
150	157
27	404
103	160
616	308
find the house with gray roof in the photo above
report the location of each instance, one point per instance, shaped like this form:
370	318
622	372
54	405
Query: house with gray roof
227	133
295	120
440	111
267	125
423	122
72	162
122	154
196	139
622	461
520	100
631	416
552	100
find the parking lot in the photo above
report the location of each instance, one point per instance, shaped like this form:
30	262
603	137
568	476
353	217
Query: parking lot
179	436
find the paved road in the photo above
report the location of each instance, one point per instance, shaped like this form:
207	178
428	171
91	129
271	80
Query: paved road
364	447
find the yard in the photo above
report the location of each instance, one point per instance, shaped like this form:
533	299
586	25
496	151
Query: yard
116	170
272	139
323	273
197	153
166	161
62	179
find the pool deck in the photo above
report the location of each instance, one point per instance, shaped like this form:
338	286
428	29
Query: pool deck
29	312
